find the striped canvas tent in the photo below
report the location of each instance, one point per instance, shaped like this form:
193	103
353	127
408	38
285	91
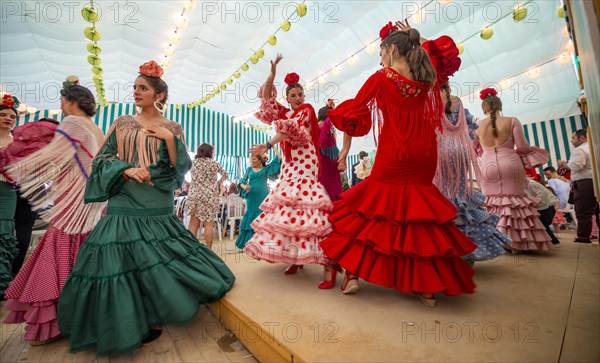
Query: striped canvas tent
554	136
200	125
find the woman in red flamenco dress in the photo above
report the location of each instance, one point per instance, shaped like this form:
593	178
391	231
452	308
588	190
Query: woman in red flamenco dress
396	229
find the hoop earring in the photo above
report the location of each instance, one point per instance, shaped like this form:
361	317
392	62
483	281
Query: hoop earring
138	110
391	60
160	108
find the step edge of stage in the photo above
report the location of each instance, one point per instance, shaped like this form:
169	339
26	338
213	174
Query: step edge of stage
264	346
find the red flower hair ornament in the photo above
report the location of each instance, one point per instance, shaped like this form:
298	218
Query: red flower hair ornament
385	31
151	69
291	78
486	92
10	101
444	57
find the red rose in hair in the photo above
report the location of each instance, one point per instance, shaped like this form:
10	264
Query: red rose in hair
8	100
151	69
488	91
387	28
291	78
444	57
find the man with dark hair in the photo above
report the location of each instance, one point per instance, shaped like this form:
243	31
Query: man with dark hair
355	178
583	186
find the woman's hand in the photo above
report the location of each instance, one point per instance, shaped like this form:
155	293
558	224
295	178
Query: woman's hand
160	132
342	166
246	187
140	175
259	149
275	62
403	25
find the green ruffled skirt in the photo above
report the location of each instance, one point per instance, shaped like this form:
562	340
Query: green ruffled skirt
135	272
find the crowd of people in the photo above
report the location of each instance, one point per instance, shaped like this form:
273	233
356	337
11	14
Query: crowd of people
442	191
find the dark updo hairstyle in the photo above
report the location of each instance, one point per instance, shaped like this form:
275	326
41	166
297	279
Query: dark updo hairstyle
446	88
205	151
292	86
322	115
82	96
2	108
408	43
494	105
159	86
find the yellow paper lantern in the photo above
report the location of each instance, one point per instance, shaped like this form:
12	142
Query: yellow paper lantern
254	59
217	91
286	26
301	9
519	13
245	67
94	60
486	33
237	74
90	14
260	53
272	40
92	33
97	70
93	48
561	12
223	86
97	78
461	48
229	81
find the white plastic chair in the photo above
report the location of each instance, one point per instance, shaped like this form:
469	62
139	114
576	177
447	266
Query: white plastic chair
569	210
180	209
236	207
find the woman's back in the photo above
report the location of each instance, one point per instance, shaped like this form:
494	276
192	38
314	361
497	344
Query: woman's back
504	131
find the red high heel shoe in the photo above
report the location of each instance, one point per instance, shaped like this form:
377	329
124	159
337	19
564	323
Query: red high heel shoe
293	269
329	283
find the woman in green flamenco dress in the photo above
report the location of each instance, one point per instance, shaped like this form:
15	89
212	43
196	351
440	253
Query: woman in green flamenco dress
8	196
140	267
253	187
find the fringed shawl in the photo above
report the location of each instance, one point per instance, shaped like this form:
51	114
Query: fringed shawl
65	164
456	157
137	147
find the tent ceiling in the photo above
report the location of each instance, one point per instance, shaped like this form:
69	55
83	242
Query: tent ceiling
40	49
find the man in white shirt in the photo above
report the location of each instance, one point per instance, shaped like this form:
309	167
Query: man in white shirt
583	185
545	202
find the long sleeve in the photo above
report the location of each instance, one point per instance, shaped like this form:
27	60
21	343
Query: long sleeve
273	168
354	116
166	176
244	180
270	110
578	160
477	146
106	178
472	125
298	135
532	156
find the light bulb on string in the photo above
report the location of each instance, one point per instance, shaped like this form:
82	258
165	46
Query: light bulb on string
505	84
322	79
564	58
372	48
353	60
170	51
181	22
532	73
336	70
189	5
417	17
570	47
174	38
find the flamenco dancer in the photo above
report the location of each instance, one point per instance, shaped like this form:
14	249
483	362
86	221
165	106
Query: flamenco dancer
294	217
395	228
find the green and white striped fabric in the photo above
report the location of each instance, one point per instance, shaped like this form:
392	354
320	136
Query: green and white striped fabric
554	136
199	124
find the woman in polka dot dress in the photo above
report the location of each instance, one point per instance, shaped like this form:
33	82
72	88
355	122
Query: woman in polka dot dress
294	214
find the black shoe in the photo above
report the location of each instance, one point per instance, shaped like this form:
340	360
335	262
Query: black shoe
581	240
153	334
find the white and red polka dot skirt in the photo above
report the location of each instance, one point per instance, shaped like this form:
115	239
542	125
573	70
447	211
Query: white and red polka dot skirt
294	214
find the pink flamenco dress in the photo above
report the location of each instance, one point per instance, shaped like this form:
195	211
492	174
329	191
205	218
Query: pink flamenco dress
395	228
503	184
65	163
294	214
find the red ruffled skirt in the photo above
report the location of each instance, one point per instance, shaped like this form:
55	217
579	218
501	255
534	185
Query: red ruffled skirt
396	229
